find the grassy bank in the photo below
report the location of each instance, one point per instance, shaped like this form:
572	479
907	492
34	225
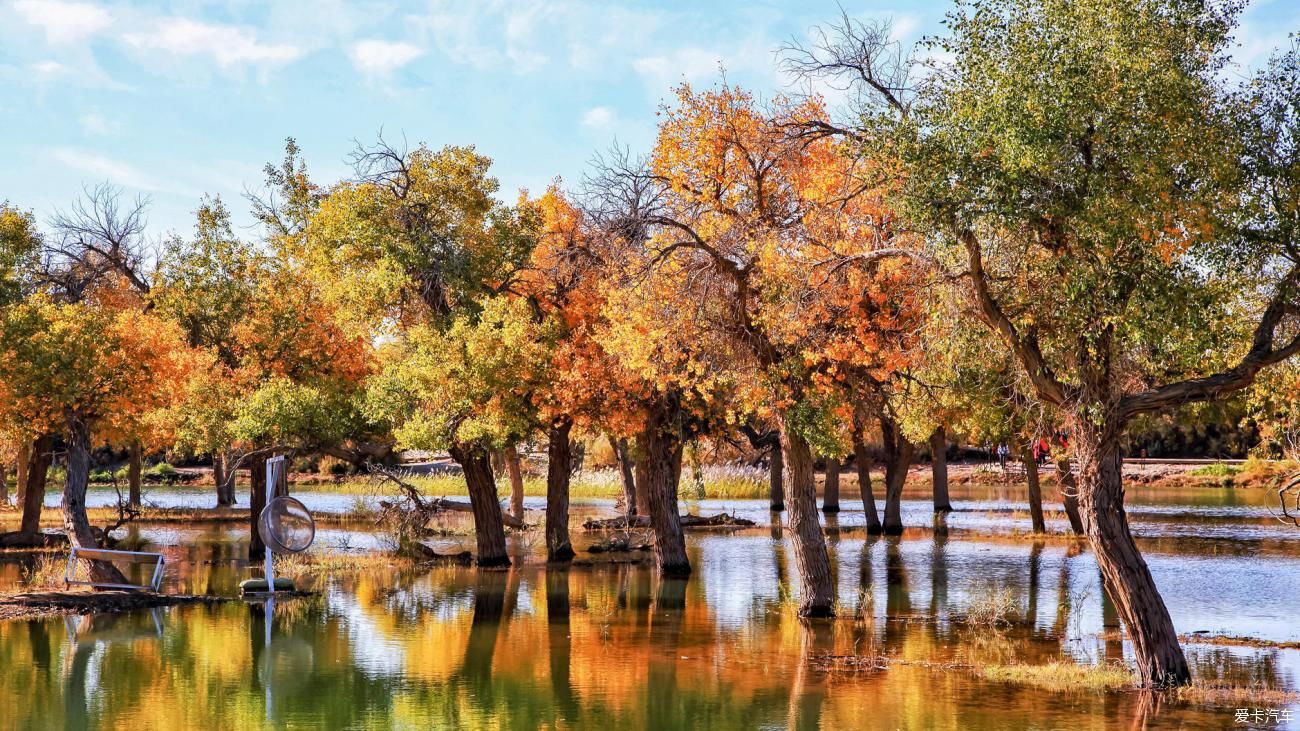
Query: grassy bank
715	482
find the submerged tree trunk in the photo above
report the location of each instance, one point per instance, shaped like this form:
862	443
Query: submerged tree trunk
256	502
863	462
899	453
831	490
1069	489
939	470
661	447
219	478
625	470
133	469
489	531
75	522
776	478
811	558
1127	579
24	458
511	458
1035	490
642	479
38	468
559	455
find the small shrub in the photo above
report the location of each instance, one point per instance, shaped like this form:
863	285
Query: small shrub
101	476
162	469
998	605
46	572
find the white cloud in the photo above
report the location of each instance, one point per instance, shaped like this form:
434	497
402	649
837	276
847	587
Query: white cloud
599	118
661	73
228	45
48	68
64	22
100	167
94	123
382	57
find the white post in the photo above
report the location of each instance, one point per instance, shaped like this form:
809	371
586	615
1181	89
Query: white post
271	481
270	572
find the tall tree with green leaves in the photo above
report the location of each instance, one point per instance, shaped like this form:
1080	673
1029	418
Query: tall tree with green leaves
1123	218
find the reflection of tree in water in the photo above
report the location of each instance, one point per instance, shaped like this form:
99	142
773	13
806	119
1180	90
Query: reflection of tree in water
898	599
475	674
862	628
1035	572
939	570
808	689
1257	668
560	643
1064	599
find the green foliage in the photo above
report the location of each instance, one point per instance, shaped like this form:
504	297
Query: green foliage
19	244
1090	148
469	383
422	236
209	285
282	411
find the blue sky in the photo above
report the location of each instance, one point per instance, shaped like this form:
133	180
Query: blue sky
174	100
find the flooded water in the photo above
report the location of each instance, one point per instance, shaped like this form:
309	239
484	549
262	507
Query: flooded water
611	646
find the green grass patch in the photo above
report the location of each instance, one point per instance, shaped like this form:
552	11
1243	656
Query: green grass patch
1218	469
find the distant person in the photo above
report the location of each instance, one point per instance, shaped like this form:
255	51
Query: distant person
1003	453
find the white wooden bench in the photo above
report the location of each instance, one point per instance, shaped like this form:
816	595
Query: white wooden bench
104	554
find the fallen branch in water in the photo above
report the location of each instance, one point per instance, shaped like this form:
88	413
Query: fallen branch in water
622	522
430	507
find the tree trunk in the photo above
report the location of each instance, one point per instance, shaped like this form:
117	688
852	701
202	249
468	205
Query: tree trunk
38	469
642	479
811	558
219	477
133	468
75	522
939	470
899	453
1127	579
863	462
4	484
256	503
1069	490
558	452
516	475
24	459
661	448
489	531
1035	490
625	469
776	477
831	490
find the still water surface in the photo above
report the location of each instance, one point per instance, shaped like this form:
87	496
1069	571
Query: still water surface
610	646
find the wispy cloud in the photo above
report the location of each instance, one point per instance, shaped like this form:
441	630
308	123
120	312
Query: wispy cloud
599	118
661	72
380	58
95	124
228	45
96	166
64	22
